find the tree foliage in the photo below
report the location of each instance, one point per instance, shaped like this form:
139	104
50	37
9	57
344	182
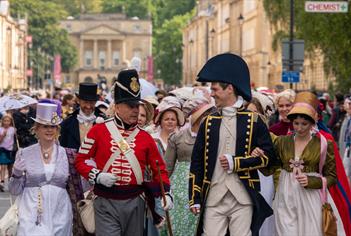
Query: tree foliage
168	51
169	19
48	37
328	32
132	8
76	7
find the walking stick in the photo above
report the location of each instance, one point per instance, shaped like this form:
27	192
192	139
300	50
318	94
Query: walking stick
168	219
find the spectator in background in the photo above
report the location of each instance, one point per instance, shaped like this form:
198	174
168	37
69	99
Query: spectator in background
160	94
23	124
68	103
283	102
338	116
7	137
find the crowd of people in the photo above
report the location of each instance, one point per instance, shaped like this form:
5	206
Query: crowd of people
215	159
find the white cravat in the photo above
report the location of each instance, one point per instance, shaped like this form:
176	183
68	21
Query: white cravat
84	119
231	111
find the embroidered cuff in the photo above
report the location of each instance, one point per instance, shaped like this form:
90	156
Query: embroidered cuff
230	162
92	176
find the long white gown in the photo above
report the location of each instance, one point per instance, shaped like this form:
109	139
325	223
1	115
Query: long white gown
56	218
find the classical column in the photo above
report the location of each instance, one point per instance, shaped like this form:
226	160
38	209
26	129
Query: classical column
95	56
81	53
109	54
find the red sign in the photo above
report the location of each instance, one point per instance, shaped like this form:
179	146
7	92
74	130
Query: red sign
29	73
29	39
150	69
57	70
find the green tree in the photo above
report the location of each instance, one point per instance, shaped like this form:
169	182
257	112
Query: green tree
77	7
328	32
167	9
131	8
43	21
168	39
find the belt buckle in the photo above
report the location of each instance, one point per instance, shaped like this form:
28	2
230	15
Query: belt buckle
123	145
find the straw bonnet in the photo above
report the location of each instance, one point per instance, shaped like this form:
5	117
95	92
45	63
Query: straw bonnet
47	114
170	103
305	103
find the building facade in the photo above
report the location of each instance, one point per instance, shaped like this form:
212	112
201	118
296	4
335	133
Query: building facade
106	43
13	50
242	27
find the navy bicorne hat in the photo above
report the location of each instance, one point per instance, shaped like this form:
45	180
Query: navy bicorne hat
127	86
228	68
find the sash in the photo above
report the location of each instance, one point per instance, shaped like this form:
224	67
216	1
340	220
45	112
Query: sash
125	150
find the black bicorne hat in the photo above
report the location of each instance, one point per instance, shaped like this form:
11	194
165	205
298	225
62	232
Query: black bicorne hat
88	92
228	68
127	86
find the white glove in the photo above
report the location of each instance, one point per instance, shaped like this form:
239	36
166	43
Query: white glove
19	167
169	203
107	179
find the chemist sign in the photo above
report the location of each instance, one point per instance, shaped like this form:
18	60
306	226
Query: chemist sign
326	7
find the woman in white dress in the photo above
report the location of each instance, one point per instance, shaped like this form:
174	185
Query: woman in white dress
39	180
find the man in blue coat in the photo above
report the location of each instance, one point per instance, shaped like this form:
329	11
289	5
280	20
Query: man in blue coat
223	183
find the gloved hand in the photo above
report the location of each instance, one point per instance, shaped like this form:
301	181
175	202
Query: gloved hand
169	203
19	167
107	179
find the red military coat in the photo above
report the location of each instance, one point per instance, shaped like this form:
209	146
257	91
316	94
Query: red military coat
100	146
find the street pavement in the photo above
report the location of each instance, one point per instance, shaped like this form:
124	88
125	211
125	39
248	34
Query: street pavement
5	201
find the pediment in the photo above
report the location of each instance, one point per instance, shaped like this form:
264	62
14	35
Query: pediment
102	30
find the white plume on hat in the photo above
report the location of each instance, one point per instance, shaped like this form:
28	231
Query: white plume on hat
135	63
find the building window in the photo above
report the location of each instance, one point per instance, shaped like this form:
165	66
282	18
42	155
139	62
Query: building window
136	28
249	6
102	59
137	53
225	15
116	58
88	58
248	39
67	79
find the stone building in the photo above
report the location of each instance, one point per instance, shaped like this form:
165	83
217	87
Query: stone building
106	43
13	50
242	27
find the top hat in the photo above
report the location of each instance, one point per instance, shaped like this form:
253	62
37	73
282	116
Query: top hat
228	68
47	114
88	92
127	87
305	103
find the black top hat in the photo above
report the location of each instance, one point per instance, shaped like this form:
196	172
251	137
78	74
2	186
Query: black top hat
88	92
127	86
228	68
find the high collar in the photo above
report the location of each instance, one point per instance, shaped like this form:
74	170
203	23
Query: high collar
232	110
122	125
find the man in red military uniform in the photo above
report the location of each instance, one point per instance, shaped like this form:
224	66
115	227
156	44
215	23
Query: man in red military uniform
122	151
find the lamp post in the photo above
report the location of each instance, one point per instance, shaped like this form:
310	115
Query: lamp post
241	21
191	42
